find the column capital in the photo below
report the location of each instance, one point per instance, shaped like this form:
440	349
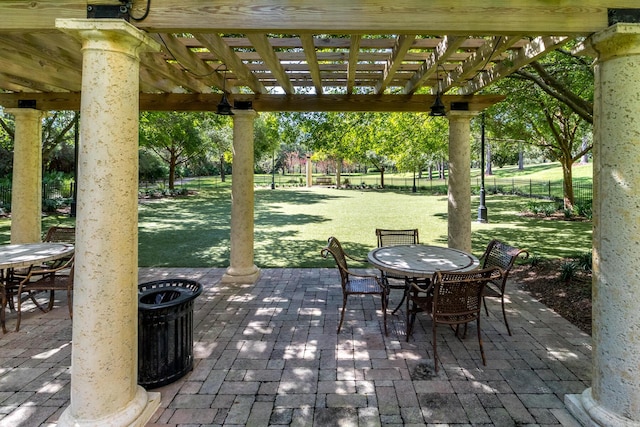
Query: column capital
27	113
244	113
461	114
618	40
108	34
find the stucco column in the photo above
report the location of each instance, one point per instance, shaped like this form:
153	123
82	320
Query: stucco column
309	172
26	186
459	209
104	357
241	268
614	396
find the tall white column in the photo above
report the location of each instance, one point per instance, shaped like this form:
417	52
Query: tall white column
241	268
309	172
614	396
459	209
104	388
26	187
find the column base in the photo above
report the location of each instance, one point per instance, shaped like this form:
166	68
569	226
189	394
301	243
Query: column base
245	275
137	414
587	411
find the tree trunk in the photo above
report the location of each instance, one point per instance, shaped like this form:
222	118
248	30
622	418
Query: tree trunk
172	173
567	183
222	174
520	160
488	170
382	177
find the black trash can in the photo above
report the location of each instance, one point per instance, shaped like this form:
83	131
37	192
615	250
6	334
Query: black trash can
165	330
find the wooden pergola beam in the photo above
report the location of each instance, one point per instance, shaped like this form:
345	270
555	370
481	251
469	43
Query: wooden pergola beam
264	103
365	16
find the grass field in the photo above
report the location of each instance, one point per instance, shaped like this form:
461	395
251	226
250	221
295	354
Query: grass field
292	224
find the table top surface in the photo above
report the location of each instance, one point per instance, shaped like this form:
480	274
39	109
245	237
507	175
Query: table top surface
26	254
421	260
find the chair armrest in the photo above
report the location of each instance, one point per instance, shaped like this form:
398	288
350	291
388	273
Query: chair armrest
48	271
355	259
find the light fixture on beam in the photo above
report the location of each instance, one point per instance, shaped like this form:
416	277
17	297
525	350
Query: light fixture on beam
438	108
224	107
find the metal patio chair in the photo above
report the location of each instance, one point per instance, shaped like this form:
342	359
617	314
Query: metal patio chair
355	283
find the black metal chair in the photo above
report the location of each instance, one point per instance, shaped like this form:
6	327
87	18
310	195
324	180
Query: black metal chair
387	237
39	280
355	283
502	255
454	298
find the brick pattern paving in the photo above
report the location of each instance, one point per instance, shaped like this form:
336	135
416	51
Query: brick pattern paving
268	355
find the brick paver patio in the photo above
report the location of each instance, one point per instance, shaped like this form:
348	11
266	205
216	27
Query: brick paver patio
268	354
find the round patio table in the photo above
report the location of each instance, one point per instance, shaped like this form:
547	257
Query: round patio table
25	255
421	261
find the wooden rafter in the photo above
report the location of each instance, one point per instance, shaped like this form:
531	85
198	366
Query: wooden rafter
444	49
479	59
263	47
217	46
309	47
400	49
354	46
189	60
519	59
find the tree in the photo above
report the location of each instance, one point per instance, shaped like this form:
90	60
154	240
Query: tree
57	141
175	137
549	105
217	130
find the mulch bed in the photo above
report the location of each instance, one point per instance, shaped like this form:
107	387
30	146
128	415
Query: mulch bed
571	298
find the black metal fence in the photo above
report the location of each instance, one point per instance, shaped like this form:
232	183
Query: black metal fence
551	190
56	192
583	191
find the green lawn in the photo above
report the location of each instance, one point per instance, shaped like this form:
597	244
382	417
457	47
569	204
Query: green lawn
292	224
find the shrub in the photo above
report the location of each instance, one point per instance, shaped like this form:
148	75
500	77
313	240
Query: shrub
584	209
585	261
534	260
568	271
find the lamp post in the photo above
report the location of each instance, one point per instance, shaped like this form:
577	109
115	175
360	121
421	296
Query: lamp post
482	209
413	190
273	171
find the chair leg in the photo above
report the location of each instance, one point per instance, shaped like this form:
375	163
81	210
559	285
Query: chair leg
19	311
504	315
411	318
70	302
52	297
344	307
486	310
384	310
435	345
484	361
2	313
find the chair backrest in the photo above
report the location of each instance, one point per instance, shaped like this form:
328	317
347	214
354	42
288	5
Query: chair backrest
457	296
397	237
61	234
335	249
500	254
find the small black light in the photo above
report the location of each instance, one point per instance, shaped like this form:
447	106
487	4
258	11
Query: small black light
224	108
438	109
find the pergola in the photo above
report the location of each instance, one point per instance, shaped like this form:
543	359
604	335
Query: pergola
111	59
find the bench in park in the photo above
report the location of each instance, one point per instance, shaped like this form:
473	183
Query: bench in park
324	180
